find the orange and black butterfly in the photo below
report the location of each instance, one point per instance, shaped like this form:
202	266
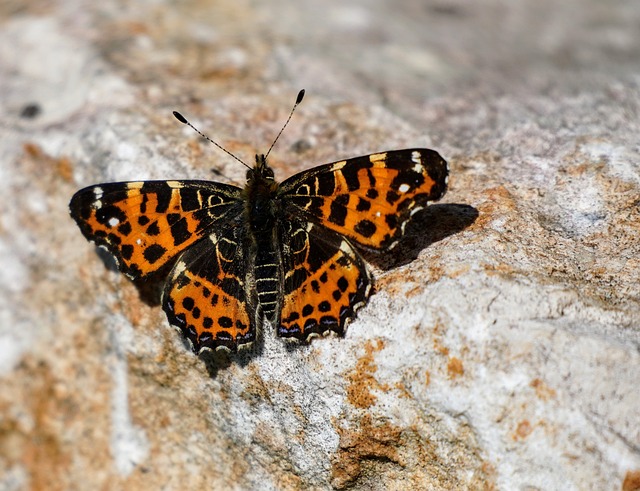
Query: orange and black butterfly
285	251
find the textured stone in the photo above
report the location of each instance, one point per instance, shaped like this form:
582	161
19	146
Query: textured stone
501	349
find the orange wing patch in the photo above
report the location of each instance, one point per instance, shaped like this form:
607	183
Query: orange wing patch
370	199
326	281
208	295
146	224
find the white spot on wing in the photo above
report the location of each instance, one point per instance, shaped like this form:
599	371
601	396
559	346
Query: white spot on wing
344	247
98	192
179	268
416	157
403	188
113	222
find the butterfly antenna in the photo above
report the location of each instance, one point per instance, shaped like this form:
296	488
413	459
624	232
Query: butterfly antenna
298	101
183	120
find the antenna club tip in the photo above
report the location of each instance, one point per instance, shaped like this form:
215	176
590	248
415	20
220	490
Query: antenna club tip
300	96
180	117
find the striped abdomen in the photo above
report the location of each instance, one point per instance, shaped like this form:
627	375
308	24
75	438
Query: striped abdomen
267	278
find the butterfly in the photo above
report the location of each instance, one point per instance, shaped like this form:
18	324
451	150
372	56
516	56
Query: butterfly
287	252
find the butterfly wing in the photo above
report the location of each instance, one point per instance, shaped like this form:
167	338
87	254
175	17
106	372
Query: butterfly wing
325	281
369	199
210	294
146	224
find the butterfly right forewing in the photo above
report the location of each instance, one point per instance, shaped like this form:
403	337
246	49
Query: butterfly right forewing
369	199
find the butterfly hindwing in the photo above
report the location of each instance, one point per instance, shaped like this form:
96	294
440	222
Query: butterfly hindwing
210	293
147	224
369	199
325	282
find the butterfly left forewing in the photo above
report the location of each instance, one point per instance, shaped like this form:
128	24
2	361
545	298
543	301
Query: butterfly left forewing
369	199
147	224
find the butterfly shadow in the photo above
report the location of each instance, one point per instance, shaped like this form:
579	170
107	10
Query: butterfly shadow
215	361
220	359
428	226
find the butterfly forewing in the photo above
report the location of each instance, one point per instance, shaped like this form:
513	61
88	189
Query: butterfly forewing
369	199
146	224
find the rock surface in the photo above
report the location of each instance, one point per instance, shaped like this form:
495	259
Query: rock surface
501	349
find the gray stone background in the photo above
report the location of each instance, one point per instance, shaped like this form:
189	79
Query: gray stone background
501	348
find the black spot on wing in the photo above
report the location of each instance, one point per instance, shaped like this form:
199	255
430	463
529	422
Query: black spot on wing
338	212
343	284
162	192
173	218
189	199
372	193
106	213
125	229
392	196
366	228
350	171
326	184
153	229
143	204
411	178
126	251
180	232
391	220
153	253
363	205
188	303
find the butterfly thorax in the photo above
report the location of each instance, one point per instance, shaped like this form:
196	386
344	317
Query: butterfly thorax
259	194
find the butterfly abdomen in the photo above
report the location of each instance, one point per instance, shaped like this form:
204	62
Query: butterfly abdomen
267	260
267	278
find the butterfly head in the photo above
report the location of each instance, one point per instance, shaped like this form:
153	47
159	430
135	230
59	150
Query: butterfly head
261	171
